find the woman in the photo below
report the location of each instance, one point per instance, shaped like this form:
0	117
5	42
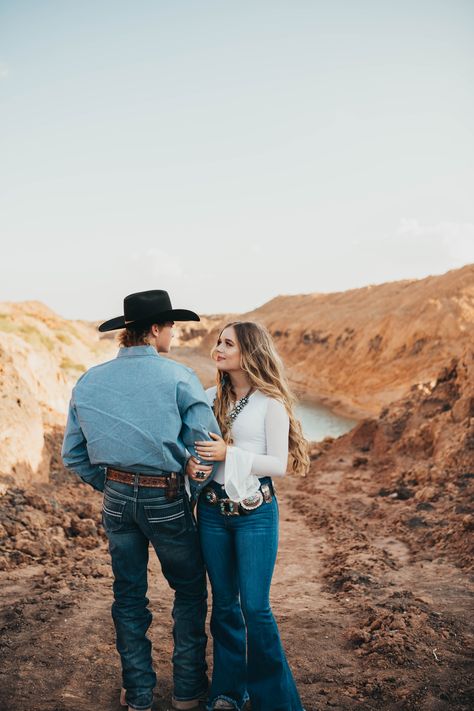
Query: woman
238	518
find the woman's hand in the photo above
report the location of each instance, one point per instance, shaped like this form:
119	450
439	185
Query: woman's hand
197	471
212	451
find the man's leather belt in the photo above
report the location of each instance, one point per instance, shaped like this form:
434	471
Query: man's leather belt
170	481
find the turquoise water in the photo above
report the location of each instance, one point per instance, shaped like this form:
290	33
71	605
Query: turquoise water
318	422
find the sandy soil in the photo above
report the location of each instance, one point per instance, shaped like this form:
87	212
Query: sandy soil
367	623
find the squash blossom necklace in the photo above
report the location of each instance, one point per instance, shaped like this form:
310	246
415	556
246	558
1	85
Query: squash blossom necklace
239	406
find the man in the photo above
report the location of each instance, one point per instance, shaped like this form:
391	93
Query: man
130	423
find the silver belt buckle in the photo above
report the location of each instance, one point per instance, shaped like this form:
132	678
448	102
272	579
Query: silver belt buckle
252	502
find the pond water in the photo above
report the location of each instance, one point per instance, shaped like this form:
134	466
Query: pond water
319	422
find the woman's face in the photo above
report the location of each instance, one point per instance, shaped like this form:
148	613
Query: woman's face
227	351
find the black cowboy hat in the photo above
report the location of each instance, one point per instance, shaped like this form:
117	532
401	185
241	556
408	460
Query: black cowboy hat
145	306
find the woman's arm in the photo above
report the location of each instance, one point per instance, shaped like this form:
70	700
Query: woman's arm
277	427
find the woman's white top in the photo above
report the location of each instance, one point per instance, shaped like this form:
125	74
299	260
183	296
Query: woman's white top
260	445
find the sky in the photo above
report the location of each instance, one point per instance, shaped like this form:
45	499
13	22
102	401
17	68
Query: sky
231	151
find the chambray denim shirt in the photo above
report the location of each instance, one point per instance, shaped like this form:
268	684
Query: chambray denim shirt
139	412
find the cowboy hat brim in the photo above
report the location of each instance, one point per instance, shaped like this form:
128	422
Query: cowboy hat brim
114	324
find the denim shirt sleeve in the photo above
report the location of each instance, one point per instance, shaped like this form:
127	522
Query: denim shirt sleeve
198	420
74	452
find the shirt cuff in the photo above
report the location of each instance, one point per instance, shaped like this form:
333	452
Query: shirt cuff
239	482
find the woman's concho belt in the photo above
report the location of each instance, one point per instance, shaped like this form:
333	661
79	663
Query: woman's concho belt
227	507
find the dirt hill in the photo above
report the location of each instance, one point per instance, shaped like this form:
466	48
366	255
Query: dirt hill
366	347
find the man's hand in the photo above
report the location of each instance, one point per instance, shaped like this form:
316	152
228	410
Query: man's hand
212	451
197	471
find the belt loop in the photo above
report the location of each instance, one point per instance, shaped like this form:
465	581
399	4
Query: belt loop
171	490
135	484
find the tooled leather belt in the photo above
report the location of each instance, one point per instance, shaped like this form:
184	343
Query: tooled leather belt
227	507
170	481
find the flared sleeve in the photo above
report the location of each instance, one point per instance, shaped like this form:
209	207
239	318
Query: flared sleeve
239	482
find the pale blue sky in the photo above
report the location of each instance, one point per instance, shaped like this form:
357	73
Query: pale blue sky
231	151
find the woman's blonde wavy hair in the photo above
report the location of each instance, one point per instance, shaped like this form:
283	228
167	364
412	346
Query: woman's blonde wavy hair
265	371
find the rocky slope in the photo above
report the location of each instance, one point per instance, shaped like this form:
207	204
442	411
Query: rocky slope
393	501
414	465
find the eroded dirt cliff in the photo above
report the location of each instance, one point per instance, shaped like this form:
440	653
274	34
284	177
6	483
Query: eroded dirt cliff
41	357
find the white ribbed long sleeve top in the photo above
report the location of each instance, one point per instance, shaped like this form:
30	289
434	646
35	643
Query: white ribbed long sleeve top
260	445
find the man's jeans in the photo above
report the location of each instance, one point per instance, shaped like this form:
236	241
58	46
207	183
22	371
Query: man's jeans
133	516
249	660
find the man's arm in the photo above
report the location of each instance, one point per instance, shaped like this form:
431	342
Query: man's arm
74	452
197	417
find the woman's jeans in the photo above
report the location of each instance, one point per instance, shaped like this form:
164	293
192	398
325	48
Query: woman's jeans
133	516
249	661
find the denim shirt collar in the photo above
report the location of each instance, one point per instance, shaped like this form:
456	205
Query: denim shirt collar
137	351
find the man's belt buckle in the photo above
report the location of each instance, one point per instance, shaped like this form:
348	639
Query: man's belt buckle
229	508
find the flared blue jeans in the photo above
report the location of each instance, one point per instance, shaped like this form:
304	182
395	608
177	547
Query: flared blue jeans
249	661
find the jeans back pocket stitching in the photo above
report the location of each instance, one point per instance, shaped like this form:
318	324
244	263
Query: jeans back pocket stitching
112	513
161	506
114	501
168	518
